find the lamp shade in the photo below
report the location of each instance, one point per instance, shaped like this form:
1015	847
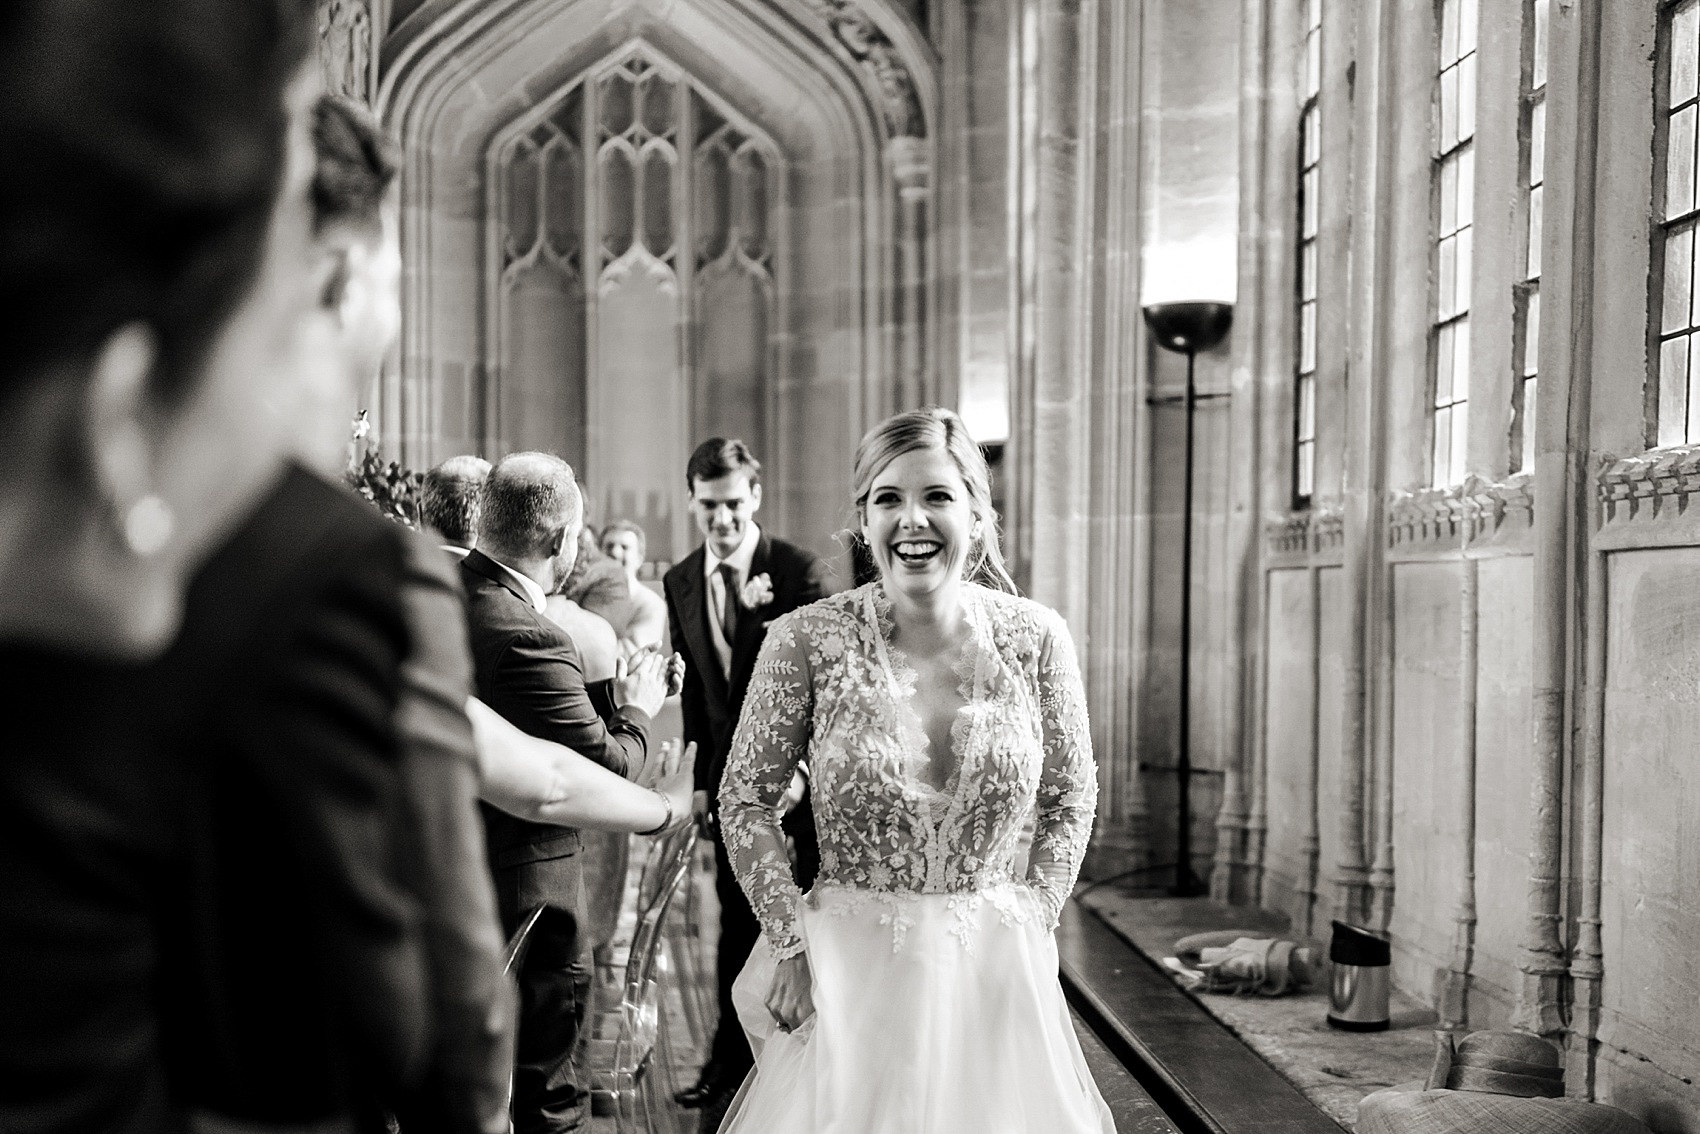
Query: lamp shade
1191	326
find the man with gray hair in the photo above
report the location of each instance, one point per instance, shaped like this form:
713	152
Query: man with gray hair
449	501
527	669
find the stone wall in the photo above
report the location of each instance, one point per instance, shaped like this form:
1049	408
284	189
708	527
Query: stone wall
1476	702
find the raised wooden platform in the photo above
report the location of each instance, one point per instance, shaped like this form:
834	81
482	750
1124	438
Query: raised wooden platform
1203	1078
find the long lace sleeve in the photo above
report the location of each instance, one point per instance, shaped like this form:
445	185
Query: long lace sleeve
773	735
1068	782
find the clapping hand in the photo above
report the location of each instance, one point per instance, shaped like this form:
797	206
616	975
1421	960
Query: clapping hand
641	682
677	779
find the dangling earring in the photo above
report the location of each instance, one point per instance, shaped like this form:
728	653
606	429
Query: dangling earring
147	526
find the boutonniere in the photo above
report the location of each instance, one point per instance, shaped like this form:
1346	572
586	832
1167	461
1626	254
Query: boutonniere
757	593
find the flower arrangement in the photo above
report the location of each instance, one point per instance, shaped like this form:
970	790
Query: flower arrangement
392	489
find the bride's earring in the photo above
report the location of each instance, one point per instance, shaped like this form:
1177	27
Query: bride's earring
148	524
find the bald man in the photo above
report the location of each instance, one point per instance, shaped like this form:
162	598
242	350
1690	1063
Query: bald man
527	669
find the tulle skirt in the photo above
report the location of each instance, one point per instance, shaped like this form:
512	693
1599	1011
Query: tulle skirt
934	1014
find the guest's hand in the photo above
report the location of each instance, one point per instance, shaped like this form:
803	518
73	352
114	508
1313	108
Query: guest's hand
675	675
699	810
678	778
791	1000
641	682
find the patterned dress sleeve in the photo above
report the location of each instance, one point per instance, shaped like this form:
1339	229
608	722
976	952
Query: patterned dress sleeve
772	737
1068	782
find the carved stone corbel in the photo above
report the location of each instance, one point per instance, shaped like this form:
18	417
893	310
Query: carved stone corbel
880	59
346	48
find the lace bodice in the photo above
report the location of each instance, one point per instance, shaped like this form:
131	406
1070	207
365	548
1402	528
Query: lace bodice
832	689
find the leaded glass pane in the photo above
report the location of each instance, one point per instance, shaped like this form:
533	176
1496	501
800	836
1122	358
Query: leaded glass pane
1673	391
1538	142
616	192
1679	164
1532	334
1467	98
1307	338
1538	67
1533	267
1466	187
1448	273
1679	276
1684	53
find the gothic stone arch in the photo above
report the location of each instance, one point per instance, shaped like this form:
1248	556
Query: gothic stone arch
628	222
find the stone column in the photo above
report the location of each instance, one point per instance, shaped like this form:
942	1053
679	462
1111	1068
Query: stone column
911	169
1455	997
1562	486
1118	619
1363	479
1050	415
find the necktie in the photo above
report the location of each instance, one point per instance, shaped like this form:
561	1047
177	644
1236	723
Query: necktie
728	603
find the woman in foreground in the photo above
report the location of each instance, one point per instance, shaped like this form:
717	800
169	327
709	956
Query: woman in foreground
915	989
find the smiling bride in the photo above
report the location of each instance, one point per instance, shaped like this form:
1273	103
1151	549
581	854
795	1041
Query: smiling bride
914	988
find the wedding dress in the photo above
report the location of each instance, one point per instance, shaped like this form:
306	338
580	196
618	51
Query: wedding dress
937	1004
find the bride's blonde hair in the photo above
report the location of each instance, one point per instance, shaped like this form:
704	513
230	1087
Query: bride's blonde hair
938	428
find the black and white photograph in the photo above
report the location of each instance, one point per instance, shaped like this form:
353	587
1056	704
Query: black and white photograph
850	567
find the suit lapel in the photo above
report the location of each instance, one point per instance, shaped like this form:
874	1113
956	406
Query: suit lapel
477	563
692	597
752	624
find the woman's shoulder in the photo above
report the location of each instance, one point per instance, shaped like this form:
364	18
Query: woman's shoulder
835	611
1022	623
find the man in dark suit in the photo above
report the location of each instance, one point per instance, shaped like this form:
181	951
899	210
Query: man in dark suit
720	599
527	669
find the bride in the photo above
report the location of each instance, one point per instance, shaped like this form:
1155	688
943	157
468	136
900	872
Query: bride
914	989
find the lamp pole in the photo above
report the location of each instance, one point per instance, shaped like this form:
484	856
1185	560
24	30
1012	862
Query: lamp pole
1187	328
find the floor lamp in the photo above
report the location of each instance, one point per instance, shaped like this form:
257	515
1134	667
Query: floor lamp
1187	328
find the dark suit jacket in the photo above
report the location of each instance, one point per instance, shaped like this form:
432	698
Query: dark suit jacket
528	670
711	700
204	902
465	1088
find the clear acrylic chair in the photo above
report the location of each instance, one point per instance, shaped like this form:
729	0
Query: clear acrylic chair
638	1071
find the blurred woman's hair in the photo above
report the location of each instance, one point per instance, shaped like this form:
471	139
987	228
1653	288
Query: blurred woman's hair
938	428
627	526
143	146
356	165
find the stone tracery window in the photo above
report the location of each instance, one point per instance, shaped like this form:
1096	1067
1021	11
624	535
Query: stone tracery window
1455	173
660	327
1674	406
1310	214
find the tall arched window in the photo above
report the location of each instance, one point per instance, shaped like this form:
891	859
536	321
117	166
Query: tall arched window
622	349
1455	169
1526	310
1310	216
1673	406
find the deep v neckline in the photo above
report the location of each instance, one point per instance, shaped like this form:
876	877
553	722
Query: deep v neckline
903	679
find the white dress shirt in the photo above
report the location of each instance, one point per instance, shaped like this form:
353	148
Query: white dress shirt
740	561
539	600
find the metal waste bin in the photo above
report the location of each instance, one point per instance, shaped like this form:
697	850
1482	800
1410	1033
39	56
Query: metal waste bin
1362	985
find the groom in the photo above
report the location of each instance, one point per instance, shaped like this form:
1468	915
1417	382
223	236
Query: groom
720	600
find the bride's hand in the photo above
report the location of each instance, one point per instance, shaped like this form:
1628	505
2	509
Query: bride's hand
791	999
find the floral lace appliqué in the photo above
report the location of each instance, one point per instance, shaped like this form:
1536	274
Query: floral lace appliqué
827	689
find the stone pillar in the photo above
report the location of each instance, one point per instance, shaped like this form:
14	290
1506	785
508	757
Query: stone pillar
911	169
1455	997
1118	618
1364	475
1562	486
1050	416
